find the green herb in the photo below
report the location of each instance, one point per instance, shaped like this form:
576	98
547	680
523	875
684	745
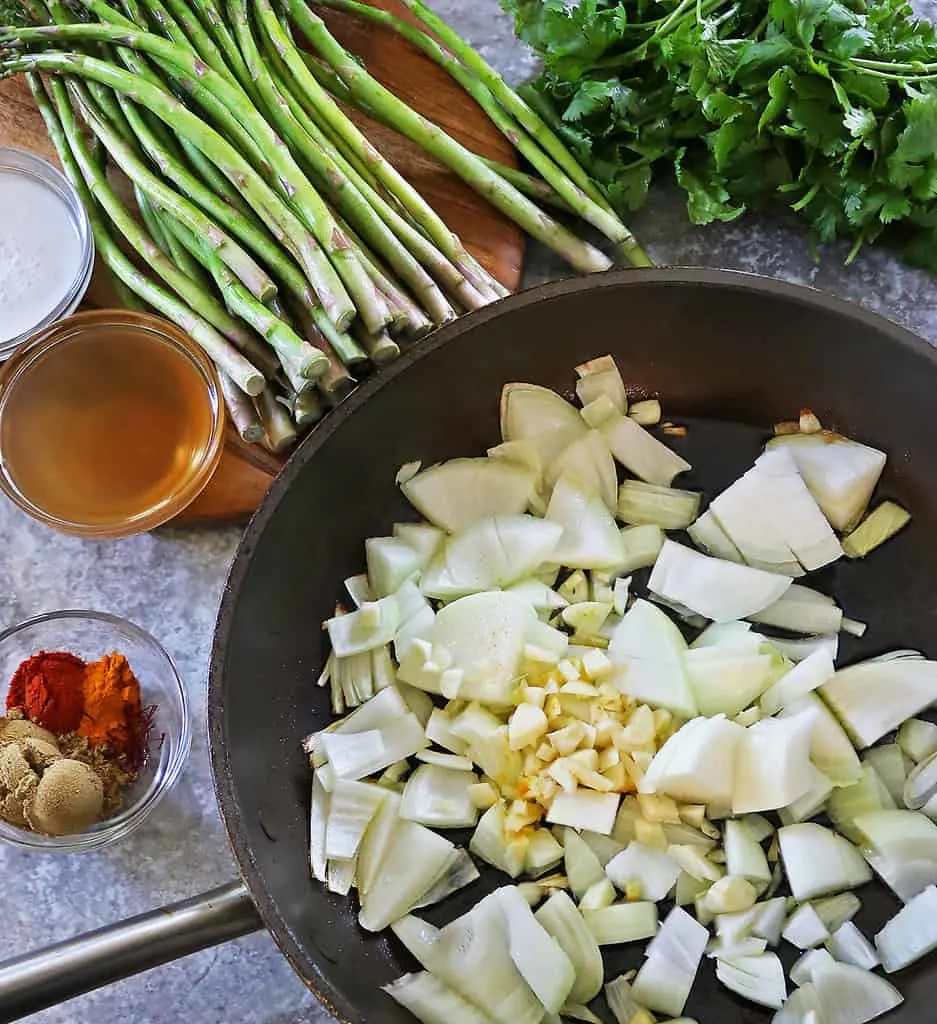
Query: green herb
827	107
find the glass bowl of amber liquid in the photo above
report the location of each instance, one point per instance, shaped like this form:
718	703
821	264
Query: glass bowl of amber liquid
111	423
90	635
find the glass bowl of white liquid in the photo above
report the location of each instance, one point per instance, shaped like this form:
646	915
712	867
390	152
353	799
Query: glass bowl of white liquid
46	247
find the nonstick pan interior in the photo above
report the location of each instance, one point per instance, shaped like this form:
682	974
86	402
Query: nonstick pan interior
734	351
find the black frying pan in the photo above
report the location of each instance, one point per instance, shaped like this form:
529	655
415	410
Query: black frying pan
729	354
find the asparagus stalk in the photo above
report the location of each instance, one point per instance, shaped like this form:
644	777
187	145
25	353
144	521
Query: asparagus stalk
279	431
181	25
305	409
330	176
470	168
60	122
298	357
445	273
330	114
264	201
241	410
508	98
168	242
218	29
336	381
381	347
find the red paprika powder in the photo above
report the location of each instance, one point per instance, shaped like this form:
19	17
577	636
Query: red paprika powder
49	690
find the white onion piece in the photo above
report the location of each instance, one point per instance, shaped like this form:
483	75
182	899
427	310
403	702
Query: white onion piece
601	376
744	856
759	979
422	537
667	507
640	547
538	957
772	765
539	595
439	730
697	763
390	563
802	970
541	417
921	784
800	1007
850	946
622	922
491	842
585	810
458	873
831	750
414	859
641	453
875	697
918	739
604	847
889	763
373	625
560	918
439	797
818	862
804	678
798	650
588	460
654	873
804	929
841	474
352	807
719	590
377	841
590	538
726	685
357	755
621	1000
664	981
835	911
583	868
801	610
911	933
318	818
850	995
648	649
810	803
418	936
359	589
770	921
709	537
901	836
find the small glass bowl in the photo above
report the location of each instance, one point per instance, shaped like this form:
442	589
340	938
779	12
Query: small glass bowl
91	635
88	327
18	161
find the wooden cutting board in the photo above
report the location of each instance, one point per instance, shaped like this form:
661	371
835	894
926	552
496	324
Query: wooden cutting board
246	471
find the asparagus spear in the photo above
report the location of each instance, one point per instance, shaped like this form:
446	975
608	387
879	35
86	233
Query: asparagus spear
317	268
576	198
431	137
167	241
241	410
280	433
248	378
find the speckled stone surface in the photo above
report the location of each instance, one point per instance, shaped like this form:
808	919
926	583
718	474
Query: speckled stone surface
170	583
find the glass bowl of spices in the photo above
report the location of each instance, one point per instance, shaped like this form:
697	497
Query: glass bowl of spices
111	423
46	247
94	733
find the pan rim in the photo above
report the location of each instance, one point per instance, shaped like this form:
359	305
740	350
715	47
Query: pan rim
222	777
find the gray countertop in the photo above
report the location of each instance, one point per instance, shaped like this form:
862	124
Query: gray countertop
171	582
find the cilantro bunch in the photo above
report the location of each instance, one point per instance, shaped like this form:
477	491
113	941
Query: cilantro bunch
827	107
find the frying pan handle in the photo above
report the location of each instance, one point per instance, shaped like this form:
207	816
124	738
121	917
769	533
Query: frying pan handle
34	981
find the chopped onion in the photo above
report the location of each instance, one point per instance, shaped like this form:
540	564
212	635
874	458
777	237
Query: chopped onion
359	589
759	979
418	936
719	590
538	415
730	896
357	755
800	649
707	534
590	539
888	761
850	995
439	730
835	911
391	562
918	739
697	763
318	818
818	862
439	797
538	957
802	970
811	803
877	527
425	539
865	795
560	918
600	895
583	868
670	509
373	625
411	863
804	929
726	685
491	842
850	946
801	610
772	765
647	413
804	678
921	785
525	453
641	453
911	933
377	841
585	810
831	750
601	376
639	868
621	1000
640	547
622	922
543	852
352	806
744	856
840	474
874	697
588	460
664	981
648	649
770	921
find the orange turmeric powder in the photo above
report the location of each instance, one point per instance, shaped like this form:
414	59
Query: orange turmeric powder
113	711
